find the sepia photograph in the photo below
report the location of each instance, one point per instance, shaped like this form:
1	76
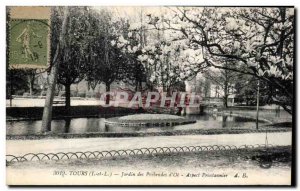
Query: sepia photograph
150	95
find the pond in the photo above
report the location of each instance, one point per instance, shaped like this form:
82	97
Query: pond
84	125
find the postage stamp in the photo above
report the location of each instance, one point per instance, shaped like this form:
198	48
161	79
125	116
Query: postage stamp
28	42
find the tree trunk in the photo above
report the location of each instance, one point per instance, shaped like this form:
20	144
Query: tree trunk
224	120
225	98
76	90
47	113
30	88
67	125
136	85
68	97
31	79
140	85
107	99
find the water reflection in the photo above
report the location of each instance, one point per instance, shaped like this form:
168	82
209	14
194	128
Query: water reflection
83	125
67	125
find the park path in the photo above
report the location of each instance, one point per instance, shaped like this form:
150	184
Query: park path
21	147
37	102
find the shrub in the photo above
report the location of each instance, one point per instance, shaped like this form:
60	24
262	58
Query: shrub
26	94
81	94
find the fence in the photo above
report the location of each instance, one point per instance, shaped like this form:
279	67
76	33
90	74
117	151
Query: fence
114	153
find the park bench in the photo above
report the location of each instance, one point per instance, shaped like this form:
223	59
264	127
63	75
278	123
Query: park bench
56	102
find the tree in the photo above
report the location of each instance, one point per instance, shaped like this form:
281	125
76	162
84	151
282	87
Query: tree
55	61
16	82
31	77
166	63
257	41
135	73
135	34
72	58
246	91
106	60
224	79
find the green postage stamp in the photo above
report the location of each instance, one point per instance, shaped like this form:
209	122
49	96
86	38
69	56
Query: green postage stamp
28	43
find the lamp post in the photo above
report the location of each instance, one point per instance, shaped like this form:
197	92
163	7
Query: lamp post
42	89
257	104
257	100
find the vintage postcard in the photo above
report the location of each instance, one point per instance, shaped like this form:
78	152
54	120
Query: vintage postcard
168	95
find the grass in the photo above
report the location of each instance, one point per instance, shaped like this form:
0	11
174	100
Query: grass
266	114
144	134
149	117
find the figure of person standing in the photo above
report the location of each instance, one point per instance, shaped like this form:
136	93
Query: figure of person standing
24	38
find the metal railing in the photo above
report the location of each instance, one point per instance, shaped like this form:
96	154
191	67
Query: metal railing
114	153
